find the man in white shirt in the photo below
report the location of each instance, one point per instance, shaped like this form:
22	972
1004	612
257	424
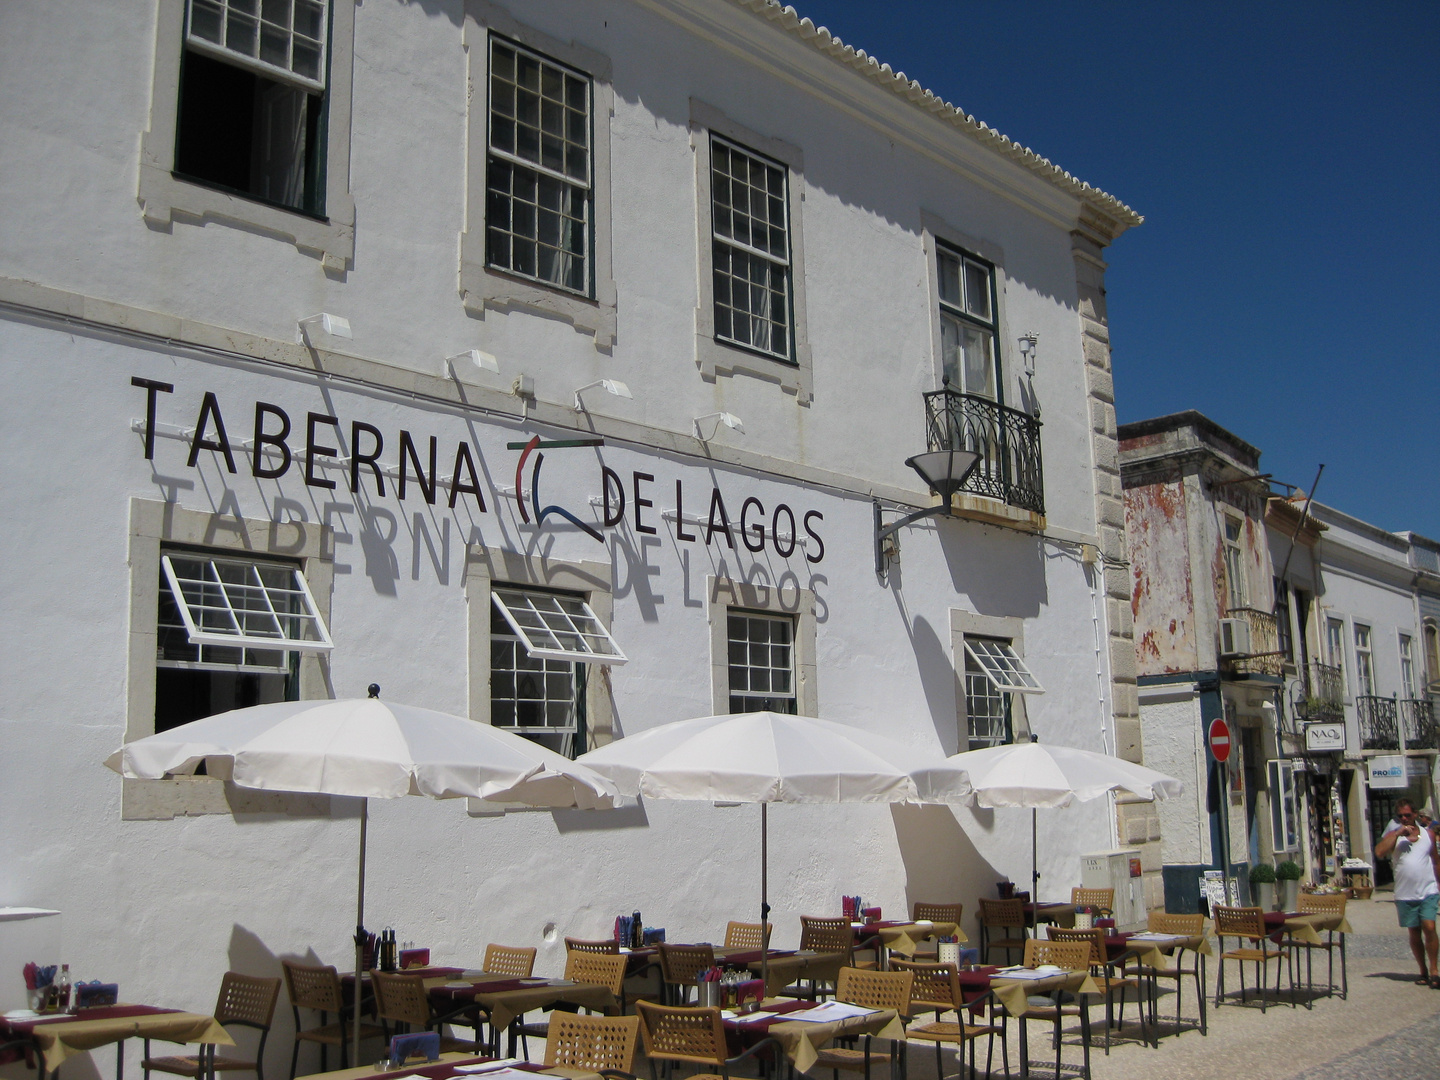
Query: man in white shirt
1415	860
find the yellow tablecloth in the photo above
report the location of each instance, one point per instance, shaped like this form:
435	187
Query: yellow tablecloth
907	937
784	970
505	1005
1307	928
367	1072
61	1039
1015	994
802	1042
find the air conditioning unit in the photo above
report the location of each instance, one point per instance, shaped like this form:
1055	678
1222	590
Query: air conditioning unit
1235	637
1118	870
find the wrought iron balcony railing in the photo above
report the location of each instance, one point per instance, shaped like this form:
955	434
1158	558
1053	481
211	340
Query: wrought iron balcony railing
1324	693
1417	721
1264	656
1379	723
1007	440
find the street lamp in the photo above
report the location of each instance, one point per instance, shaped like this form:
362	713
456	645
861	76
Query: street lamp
944	471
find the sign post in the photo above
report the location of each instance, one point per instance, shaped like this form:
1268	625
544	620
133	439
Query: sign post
1218	738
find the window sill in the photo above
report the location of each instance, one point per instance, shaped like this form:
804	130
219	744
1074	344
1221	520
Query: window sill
721	359
483	289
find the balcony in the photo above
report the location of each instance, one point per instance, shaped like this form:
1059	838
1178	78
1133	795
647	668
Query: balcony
1417	723
1263	657
1384	720
1324	693
1007	440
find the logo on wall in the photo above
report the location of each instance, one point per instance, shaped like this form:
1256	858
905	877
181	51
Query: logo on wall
536	446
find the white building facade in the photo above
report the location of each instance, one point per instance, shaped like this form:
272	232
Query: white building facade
388	311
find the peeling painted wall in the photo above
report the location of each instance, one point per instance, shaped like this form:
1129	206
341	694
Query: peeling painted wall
1162	601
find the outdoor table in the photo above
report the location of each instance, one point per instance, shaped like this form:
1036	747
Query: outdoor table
790	967
802	1040
903	935
1307	928
57	1037
1149	963
445	1069
1015	994
506	998
1059	914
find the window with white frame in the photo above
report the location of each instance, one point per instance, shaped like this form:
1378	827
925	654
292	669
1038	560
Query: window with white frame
252	101
1407	666
750	250
993	673
1432	652
761	651
1284	806
968	323
1364	663
1235	563
1285	639
539	178
229	634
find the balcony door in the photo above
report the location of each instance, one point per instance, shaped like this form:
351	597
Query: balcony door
968	337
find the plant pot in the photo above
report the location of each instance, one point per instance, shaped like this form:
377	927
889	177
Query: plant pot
1289	893
1264	893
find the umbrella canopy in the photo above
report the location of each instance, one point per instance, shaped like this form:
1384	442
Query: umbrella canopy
1033	774
365	748
770	757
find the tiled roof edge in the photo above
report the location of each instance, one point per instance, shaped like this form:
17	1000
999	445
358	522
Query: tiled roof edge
896	81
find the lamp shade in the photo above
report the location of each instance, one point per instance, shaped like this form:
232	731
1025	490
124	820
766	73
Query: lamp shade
944	470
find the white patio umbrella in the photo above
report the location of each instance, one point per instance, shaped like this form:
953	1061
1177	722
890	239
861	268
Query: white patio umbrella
1033	774
770	757
365	748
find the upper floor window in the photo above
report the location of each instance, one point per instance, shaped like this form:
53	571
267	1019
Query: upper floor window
968	326
1335	644
1432	652
1364	664
539	177
1286	641
750	255
1235	563
1407	666
252	102
762	662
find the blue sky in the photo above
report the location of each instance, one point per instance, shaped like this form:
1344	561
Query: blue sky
1286	158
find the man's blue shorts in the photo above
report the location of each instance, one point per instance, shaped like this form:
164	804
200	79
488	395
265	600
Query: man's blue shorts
1413	912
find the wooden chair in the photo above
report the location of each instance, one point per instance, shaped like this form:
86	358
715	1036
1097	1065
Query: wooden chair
682	1035
1072	956
402	1005
679	965
599	1044
601	969
1160	922
318	990
507	960
1002	916
746	935
580	945
1247	924
869	990
937	988
245	1000
823	934
1103	972
1102	900
939	913
1324	904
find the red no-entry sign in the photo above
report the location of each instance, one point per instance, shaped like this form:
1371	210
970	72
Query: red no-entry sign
1219	739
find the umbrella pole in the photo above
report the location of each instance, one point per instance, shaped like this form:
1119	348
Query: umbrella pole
1034	863
359	938
764	899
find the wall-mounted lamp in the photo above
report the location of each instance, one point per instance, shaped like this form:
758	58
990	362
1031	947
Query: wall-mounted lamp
1027	351
944	471
465	364
333	326
730	420
610	386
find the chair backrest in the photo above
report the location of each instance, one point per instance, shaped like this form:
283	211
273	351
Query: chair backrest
935	986
1094	939
1002	912
681	963
876	989
1162	922
823	934
682	1033
591	1043
1070	955
1241	922
746	935
1104	899
580	945
1322	903
938	912
602	969
247	999
505	960
401	997
312	987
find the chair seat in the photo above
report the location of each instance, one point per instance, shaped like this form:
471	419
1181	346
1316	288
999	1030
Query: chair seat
944	1031
338	1034
190	1065
1256	955
842	1057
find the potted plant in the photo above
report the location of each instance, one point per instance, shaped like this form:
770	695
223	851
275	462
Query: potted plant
1262	885
1288	875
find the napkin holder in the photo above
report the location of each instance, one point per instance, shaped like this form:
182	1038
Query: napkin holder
424	1044
654	935
414	958
94	995
871	914
749	994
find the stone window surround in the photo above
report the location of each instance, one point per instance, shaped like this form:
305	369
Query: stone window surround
935	231
716	359
723	594
592	580
481	288
152	525
166	198
1009	628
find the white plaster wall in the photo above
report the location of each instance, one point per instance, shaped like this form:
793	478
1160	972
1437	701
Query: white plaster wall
1175	746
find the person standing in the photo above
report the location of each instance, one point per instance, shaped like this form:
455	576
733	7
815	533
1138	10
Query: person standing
1416	891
